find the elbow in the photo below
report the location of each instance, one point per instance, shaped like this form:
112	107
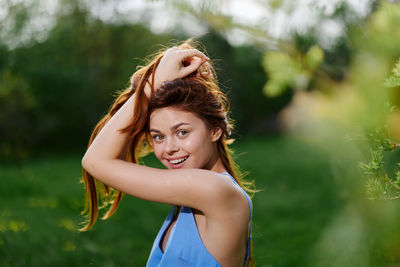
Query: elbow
93	165
84	162
87	163
90	165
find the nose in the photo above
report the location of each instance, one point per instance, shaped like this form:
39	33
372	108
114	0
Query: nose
171	146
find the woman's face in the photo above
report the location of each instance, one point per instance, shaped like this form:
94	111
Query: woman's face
182	140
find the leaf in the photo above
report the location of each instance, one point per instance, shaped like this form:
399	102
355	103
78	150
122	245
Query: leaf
374	189
282	71
392	82
398	177
394	79
272	89
396	69
366	168
314	57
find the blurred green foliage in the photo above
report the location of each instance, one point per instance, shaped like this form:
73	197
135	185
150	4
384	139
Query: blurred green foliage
287	71
53	91
301	216
314	209
351	117
394	79
42	199
340	99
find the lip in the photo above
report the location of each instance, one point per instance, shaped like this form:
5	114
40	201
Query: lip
179	165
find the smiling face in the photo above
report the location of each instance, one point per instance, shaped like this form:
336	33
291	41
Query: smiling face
182	140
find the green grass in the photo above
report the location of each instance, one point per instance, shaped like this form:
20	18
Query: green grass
296	202
42	198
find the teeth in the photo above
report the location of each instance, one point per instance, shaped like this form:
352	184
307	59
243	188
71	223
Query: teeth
176	161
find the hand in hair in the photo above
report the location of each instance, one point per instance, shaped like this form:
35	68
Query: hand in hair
178	63
205	71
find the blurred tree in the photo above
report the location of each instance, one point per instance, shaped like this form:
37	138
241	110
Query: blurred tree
71	68
242	76
339	17
341	104
355	119
17	104
291	64
381	185
53	91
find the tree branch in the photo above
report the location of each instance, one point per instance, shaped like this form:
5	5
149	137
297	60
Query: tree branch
388	181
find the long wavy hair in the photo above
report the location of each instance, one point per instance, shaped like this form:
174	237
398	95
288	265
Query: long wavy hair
194	93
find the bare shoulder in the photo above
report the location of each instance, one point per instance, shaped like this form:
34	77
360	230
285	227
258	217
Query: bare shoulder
234	199
215	194
228	228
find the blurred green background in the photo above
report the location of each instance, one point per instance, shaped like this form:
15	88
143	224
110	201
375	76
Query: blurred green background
314	88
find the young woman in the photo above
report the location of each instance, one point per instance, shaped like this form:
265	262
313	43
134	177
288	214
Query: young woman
174	107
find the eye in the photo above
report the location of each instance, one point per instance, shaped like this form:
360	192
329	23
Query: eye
158	138
182	133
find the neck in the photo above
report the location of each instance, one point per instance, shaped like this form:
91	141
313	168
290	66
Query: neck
215	164
218	166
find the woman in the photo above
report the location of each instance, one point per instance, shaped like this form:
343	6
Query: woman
174	107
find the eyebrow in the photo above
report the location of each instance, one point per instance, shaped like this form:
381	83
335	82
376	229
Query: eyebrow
173	128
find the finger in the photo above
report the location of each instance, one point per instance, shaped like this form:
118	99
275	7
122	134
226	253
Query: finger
194	66
187	61
209	71
185	53
205	74
205	70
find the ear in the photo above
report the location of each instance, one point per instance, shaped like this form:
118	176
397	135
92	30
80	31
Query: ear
216	134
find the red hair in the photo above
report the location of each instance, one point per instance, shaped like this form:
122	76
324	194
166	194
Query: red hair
200	95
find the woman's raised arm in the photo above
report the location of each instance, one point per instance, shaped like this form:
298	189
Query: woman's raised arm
200	189
110	142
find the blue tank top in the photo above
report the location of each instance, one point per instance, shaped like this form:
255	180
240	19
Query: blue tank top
184	246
